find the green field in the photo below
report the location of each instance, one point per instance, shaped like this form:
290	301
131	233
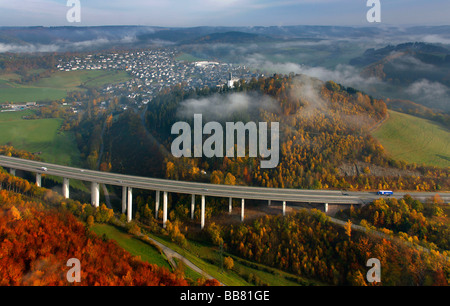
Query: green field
71	80
199	254
140	248
41	135
185	57
415	140
57	85
203	256
134	246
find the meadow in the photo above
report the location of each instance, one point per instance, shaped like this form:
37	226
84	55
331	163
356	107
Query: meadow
415	140
186	57
203	256
136	247
41	136
57	86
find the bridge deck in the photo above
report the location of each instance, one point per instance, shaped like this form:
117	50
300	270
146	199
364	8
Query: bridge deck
206	189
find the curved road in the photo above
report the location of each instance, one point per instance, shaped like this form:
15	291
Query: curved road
170	254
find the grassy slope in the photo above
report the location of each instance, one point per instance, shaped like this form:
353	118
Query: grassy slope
415	140
139	248
57	85
71	80
41	135
202	255
132	245
199	254
30	94
188	58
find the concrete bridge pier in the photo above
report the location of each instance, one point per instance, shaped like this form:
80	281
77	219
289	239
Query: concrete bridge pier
38	179
65	188
95	194
242	209
203	212
129	204
192	206
284	208
164	209
230	205
270	202
158	194
124	199
326	207
12	171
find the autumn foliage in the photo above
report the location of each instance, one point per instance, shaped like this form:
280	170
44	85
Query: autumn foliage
309	245
11	151
323	126
408	219
36	242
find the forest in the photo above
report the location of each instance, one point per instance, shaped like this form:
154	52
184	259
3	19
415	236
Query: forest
36	245
308	244
13	152
323	126
40	233
414	221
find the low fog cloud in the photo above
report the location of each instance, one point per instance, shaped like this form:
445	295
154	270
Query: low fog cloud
346	75
222	107
308	91
436	39
28	48
432	94
407	62
64	45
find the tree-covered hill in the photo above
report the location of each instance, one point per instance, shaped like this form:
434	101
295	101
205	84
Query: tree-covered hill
323	126
38	239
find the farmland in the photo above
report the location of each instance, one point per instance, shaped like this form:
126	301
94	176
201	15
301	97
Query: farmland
56	86
40	135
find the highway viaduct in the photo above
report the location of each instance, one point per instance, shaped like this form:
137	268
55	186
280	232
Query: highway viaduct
163	187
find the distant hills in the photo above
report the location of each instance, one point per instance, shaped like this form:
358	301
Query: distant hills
107	36
409	63
428	53
406	63
230	37
420	71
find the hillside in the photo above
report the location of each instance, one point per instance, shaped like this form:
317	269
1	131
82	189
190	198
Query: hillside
64	38
309	244
234	37
42	136
427	224
409	71
411	108
324	126
429	53
39	233
37	243
51	85
415	140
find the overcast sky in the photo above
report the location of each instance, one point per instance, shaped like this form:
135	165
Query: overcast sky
186	13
